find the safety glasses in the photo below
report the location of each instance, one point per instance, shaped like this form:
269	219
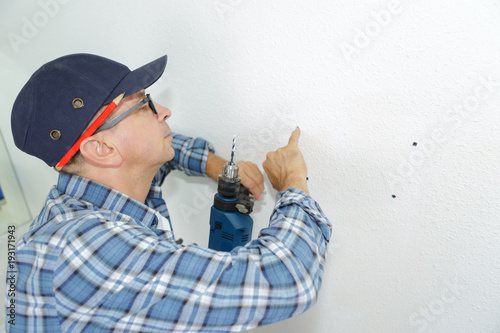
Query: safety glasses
115	121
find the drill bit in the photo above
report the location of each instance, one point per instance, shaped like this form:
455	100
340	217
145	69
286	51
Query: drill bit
232	150
230	169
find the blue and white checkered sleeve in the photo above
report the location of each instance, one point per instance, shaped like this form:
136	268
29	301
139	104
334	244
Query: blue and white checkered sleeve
191	155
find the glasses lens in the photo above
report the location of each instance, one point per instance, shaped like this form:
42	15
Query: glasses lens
151	104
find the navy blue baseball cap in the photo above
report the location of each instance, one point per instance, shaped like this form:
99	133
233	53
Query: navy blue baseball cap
60	99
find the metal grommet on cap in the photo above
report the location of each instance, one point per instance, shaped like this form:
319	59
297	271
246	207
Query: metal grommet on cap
77	103
55	134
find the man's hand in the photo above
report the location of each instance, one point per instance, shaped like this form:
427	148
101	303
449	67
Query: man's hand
286	167
251	177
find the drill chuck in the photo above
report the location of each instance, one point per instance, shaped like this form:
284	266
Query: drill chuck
230	171
229	181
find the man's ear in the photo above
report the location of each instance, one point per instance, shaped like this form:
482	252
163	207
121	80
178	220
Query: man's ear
100	154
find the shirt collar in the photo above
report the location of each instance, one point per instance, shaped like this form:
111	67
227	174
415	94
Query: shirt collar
106	198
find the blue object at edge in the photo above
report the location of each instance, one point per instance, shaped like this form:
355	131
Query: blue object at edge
229	229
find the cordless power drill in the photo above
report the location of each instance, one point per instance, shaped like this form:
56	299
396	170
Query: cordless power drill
230	222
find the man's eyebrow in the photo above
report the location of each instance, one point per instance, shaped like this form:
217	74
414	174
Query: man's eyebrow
141	95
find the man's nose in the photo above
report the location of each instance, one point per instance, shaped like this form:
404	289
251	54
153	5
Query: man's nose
163	113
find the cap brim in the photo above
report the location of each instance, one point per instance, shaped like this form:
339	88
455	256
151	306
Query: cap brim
139	79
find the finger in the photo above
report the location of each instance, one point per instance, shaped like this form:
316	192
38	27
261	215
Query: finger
251	186
269	163
256	175
252	178
254	185
259	185
294	138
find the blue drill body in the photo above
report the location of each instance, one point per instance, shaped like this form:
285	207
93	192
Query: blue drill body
230	223
229	229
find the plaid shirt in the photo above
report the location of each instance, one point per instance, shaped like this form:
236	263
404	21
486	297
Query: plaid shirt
94	261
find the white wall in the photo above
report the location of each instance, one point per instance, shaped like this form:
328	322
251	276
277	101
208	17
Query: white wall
364	80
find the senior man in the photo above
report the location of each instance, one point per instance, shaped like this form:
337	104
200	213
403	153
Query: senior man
94	259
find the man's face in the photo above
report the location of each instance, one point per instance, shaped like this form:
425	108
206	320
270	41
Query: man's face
142	137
